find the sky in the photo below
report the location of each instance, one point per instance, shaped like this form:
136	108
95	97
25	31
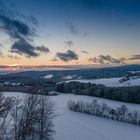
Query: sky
69	32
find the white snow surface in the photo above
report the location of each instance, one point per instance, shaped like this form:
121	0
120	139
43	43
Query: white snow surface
69	77
48	76
110	82
78	126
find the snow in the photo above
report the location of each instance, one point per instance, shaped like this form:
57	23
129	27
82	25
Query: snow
15	94
48	76
134	72
110	82
69	77
78	126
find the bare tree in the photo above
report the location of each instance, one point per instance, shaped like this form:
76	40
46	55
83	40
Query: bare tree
46	114
6	104
33	118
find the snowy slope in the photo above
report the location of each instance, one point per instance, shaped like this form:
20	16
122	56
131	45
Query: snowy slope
77	126
111	82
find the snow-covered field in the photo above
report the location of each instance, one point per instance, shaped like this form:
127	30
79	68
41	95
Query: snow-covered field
77	126
111	82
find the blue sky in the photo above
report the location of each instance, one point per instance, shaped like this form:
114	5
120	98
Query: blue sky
71	32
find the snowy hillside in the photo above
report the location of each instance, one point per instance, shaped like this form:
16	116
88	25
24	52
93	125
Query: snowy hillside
111	82
77	126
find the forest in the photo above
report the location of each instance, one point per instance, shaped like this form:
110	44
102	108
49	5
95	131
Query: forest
124	94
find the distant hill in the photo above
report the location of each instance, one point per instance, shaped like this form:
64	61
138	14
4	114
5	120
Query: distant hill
54	76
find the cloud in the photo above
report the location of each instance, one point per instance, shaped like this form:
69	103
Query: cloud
73	28
23	47
8	9
107	59
1	55
67	56
54	59
33	20
85	52
96	60
14	57
20	33
134	57
69	43
14	28
42	49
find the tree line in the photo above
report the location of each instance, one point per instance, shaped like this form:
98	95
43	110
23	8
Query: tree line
121	113
124	94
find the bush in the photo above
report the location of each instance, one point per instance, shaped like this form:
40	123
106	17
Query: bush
103	110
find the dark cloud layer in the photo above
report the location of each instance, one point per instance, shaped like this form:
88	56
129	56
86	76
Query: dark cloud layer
23	47
135	57
14	28
96	60
107	59
21	34
67	56
42	49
